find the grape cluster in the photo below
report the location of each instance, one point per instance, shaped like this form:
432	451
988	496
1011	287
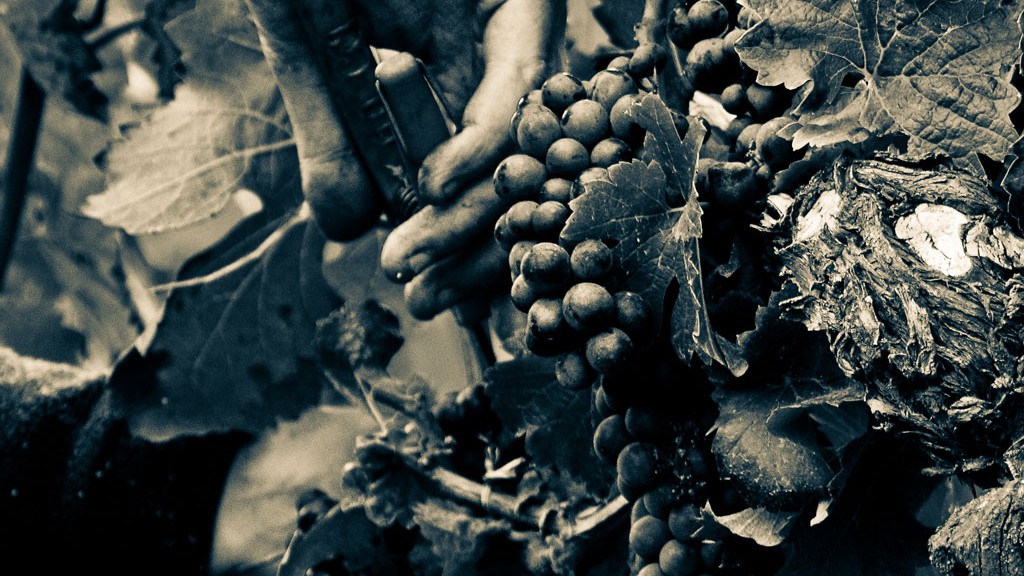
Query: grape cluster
569	133
707	32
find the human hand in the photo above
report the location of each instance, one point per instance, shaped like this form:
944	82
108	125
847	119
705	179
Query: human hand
444	252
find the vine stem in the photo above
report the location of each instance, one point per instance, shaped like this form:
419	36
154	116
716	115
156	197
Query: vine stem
20	153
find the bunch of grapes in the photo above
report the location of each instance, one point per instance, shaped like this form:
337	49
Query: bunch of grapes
569	133
706	31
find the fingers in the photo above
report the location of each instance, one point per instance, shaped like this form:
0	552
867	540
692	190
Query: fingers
333	181
456	279
436	232
519	44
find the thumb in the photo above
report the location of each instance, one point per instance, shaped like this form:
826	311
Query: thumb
520	43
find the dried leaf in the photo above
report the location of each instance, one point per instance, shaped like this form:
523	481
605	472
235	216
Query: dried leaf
937	72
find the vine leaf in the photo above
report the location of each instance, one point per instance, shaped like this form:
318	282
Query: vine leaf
235	353
556	422
225	129
937	72
983	536
654	242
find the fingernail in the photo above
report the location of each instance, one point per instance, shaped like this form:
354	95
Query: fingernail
417	262
449	190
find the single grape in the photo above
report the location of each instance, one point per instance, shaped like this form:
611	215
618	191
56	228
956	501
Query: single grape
647	536
557	189
519	177
545	317
709	63
531	97
588	307
638	511
732	132
520	218
610	151
647	58
637	466
590	175
549	219
516	254
679	559
601	405
545	346
567	157
776	151
764	175
560	91
651	569
573	372
503	234
620	62
538	127
734	99
747	138
586	121
659	501
647	423
733	184
684	521
522	294
591	260
623	119
546	266
633	316
707	18
607	86
766	102
610	437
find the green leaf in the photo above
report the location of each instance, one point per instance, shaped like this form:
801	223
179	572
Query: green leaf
225	129
234	352
938	72
654	242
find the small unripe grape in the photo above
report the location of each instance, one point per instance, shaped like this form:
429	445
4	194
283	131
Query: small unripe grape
545	317
651	569
572	371
647	536
647	57
515	256
708	18
684	521
520	219
561	91
734	99
747	138
522	294
623	119
567	157
607	86
588	306
633	316
586	121
591	260
772	148
592	174
678	559
659	502
607	350
519	177
610	151
549	219
557	189
610	437
538	127
546	266
503	234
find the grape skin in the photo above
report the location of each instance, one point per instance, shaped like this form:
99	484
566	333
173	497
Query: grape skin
647	536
